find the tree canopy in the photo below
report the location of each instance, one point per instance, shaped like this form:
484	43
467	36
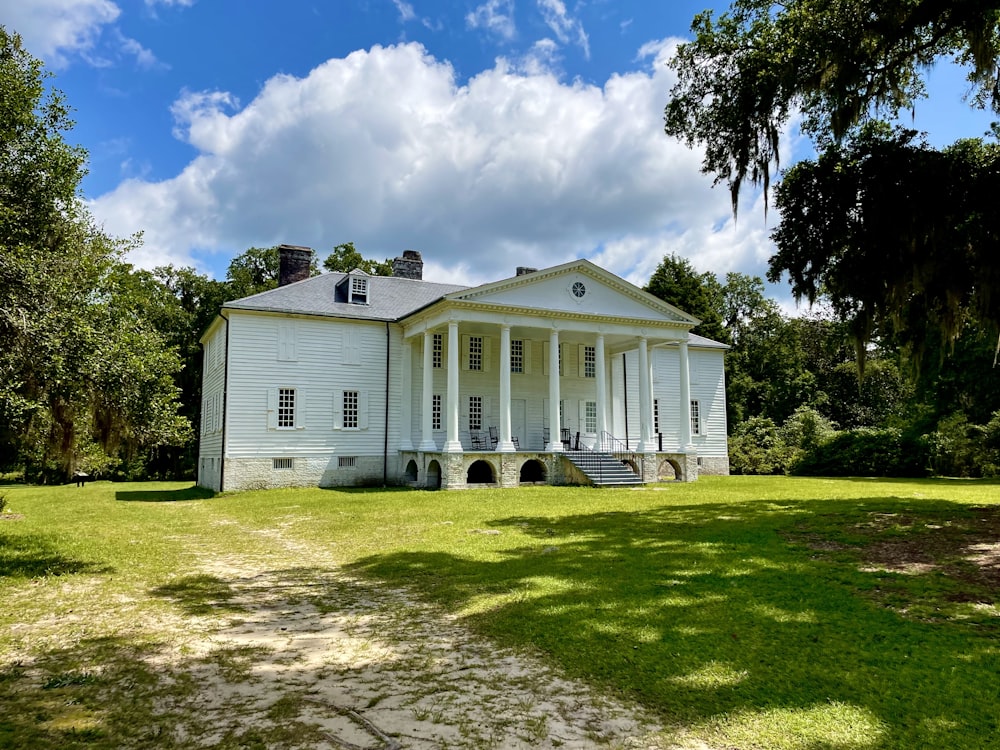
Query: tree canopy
344	258
898	235
84	381
837	62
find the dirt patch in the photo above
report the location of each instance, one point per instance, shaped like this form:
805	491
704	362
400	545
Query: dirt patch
325	660
961	548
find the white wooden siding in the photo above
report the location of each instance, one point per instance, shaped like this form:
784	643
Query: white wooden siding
319	375
211	427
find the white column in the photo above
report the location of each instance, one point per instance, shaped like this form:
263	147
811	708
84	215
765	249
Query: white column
602	387
505	442
453	444
685	398
646	443
555	443
427	425
406	402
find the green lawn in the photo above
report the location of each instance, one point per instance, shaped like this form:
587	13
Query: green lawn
747	612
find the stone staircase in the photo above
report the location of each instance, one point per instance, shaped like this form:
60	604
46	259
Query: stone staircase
603	469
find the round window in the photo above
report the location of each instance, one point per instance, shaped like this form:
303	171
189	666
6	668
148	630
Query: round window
579	289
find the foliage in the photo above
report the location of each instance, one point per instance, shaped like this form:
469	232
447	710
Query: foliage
755	447
894	234
960	448
698	294
344	258
257	270
837	62
78	365
867	452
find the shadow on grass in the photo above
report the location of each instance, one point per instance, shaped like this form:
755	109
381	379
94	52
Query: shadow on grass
163	496
35	556
737	615
198	595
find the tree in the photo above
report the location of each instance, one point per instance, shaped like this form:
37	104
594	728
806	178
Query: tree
698	294
256	270
82	377
841	64
837	62
894	233
345	258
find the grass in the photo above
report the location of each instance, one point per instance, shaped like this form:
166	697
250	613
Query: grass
747	612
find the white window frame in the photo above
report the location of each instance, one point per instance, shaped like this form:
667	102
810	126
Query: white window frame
340	413
351	410
474	353
436	412
285	415
517	356
590	417
476	412
437	351
358	291
588	361
656	415
696	417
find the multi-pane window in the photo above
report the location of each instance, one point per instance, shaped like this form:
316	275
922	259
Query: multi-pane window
475	353
517	355
590	417
286	407
359	290
475	412
589	362
695	417
656	415
351	401
437	350
436	411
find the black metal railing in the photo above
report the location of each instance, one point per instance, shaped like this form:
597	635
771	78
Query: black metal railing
608	443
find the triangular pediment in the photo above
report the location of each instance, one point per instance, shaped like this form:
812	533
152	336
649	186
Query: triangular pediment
577	287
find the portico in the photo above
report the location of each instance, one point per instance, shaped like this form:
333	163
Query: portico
535	372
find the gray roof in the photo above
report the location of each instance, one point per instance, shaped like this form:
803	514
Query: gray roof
390	298
703	343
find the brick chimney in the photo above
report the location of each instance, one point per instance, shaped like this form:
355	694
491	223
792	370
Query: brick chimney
522	270
410	266
293	263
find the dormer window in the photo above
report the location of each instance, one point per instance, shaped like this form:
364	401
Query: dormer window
359	290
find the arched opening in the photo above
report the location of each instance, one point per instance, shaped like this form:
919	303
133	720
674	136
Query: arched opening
669	471
433	476
411	471
532	471
633	466
480	473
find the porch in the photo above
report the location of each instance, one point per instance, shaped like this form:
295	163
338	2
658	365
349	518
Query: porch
583	466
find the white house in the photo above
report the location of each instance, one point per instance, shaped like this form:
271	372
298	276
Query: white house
566	374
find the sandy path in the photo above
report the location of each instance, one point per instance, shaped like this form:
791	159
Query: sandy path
342	664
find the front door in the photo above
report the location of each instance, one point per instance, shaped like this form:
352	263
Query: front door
518	424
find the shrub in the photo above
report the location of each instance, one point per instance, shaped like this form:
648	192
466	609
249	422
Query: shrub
756	447
960	448
867	452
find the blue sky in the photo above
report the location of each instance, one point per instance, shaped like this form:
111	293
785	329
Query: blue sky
487	134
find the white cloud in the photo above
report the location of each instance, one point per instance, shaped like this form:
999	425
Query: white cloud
386	149
52	29
566	28
496	16
61	30
406	12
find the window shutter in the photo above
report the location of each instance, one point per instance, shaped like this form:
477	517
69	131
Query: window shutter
487	349
338	410
465	351
545	359
583	416
487	409
272	408
581	361
351	345
527	356
363	410
300	409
